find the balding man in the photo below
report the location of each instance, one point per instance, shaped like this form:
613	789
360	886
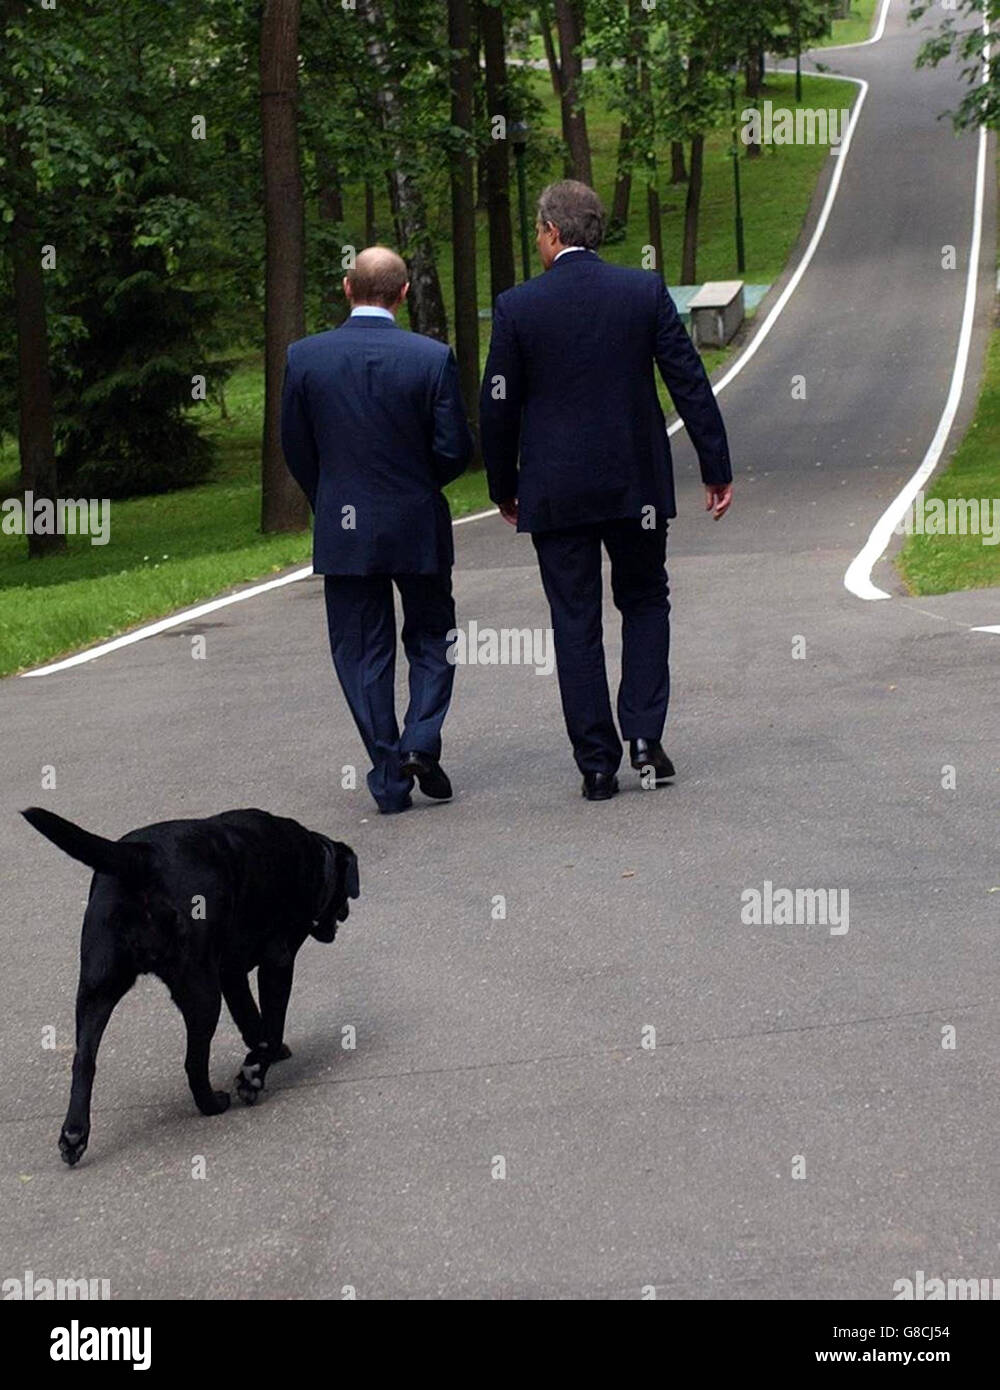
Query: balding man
373	426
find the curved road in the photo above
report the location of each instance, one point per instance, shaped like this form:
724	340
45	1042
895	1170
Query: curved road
523	1038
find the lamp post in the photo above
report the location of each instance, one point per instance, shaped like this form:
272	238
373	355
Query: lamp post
741	260
519	136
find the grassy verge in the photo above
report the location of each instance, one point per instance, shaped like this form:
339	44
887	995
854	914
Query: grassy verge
856	27
165	553
169	552
941	564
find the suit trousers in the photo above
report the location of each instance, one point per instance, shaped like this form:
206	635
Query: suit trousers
570	561
361	619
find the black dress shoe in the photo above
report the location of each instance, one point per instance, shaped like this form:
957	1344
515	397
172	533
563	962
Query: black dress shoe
648	752
600	786
431	776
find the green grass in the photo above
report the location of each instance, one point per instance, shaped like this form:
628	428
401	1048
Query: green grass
165	552
941	564
856	27
172	551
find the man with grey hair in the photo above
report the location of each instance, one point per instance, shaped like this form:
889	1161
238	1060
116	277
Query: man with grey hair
577	454
373	426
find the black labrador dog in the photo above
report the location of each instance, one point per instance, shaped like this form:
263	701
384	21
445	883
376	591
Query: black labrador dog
199	903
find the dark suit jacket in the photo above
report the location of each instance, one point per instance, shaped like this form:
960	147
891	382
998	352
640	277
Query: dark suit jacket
575	348
372	419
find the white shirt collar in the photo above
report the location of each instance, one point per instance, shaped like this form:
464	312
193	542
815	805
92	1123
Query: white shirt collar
569	248
371	311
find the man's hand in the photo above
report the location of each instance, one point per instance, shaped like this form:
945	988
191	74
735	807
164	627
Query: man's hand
508	510
718	498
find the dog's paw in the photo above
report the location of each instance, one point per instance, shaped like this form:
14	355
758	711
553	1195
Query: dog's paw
283	1053
218	1105
72	1143
249	1083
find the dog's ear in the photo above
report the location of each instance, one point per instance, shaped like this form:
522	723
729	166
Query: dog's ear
348	862
340	883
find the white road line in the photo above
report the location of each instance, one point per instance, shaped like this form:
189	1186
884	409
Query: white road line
862	43
858	578
190	614
177	619
824	217
476	516
984	629
811	249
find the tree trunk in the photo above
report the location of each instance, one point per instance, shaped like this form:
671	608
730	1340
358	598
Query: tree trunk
637	120
34	383
371	234
574	117
545	24
754	82
675	93
463	206
483	180
497	161
618	220
330	198
753	74
480	107
425	300
330	194
652	172
397	228
655	224
689	269
283	504
678	167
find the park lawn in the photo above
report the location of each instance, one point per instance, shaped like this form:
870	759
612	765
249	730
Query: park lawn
171	551
941	564
165	553
856	27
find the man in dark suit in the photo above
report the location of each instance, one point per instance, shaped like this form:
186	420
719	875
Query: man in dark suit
373	426
577	453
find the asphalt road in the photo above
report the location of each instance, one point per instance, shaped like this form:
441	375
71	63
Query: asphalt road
521	1038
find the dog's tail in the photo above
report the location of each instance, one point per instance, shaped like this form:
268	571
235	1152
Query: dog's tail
124	860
